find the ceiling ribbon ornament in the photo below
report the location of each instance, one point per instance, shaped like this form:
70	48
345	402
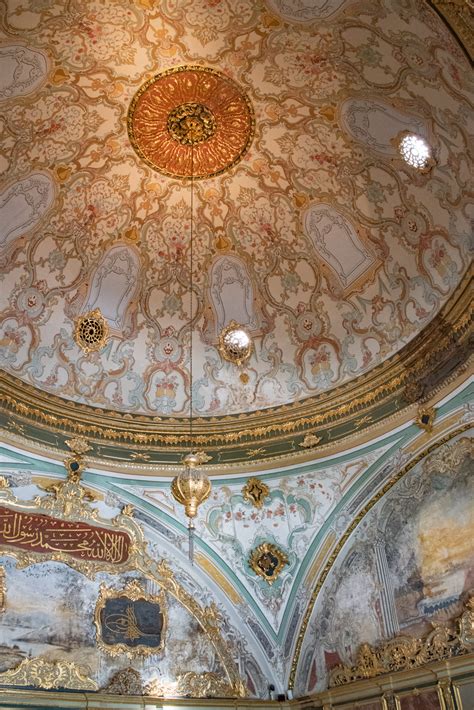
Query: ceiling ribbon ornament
190	487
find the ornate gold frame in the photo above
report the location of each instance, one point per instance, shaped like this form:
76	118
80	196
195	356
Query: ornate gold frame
133	591
267	548
425	418
70	500
80	321
255	491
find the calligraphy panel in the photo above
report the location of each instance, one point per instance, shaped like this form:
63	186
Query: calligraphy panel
130	621
43	534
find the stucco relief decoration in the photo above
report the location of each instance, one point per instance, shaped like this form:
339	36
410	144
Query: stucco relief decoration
190	121
267	560
86	222
91	331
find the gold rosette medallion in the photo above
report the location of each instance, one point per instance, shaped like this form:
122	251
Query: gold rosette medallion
190	121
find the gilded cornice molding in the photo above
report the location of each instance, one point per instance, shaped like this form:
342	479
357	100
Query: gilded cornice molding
411	375
459	16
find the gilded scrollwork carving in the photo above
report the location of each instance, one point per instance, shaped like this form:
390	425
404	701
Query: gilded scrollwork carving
406	652
68	501
41	673
206	685
255	491
126	681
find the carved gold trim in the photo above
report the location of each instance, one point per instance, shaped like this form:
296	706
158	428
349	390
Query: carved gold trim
205	685
418	360
255	491
133	591
348	532
91	331
69	500
3	590
40	673
405	652
458	15
260	557
425	418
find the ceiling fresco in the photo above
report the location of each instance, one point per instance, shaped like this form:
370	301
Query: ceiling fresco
321	241
268	131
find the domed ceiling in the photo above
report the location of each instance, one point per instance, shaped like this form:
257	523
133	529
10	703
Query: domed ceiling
311	231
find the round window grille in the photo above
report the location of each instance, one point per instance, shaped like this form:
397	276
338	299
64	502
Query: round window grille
91	331
416	152
235	343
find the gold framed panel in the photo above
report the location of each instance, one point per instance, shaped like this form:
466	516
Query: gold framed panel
433	690
267	561
69	500
255	491
134	592
463	691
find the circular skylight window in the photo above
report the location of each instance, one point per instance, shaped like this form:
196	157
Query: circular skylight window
416	152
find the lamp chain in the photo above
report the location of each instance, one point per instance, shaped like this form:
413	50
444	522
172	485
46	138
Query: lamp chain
191	302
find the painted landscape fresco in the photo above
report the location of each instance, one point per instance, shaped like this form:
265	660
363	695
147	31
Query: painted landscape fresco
409	563
43	618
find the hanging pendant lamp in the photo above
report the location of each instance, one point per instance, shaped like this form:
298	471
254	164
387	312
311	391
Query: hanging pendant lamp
191	487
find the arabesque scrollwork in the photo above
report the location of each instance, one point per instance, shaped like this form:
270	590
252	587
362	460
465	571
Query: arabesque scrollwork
49	675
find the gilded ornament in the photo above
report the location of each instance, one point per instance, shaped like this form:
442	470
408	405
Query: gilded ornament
309	441
78	445
425	418
405	652
91	331
267	560
255	491
122	620
190	121
3	589
126	681
191	124
40	673
207	685
235	343
191	487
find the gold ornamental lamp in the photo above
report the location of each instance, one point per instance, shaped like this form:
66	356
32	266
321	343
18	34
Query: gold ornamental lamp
190	488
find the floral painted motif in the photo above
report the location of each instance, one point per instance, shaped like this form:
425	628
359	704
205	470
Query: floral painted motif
330	251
